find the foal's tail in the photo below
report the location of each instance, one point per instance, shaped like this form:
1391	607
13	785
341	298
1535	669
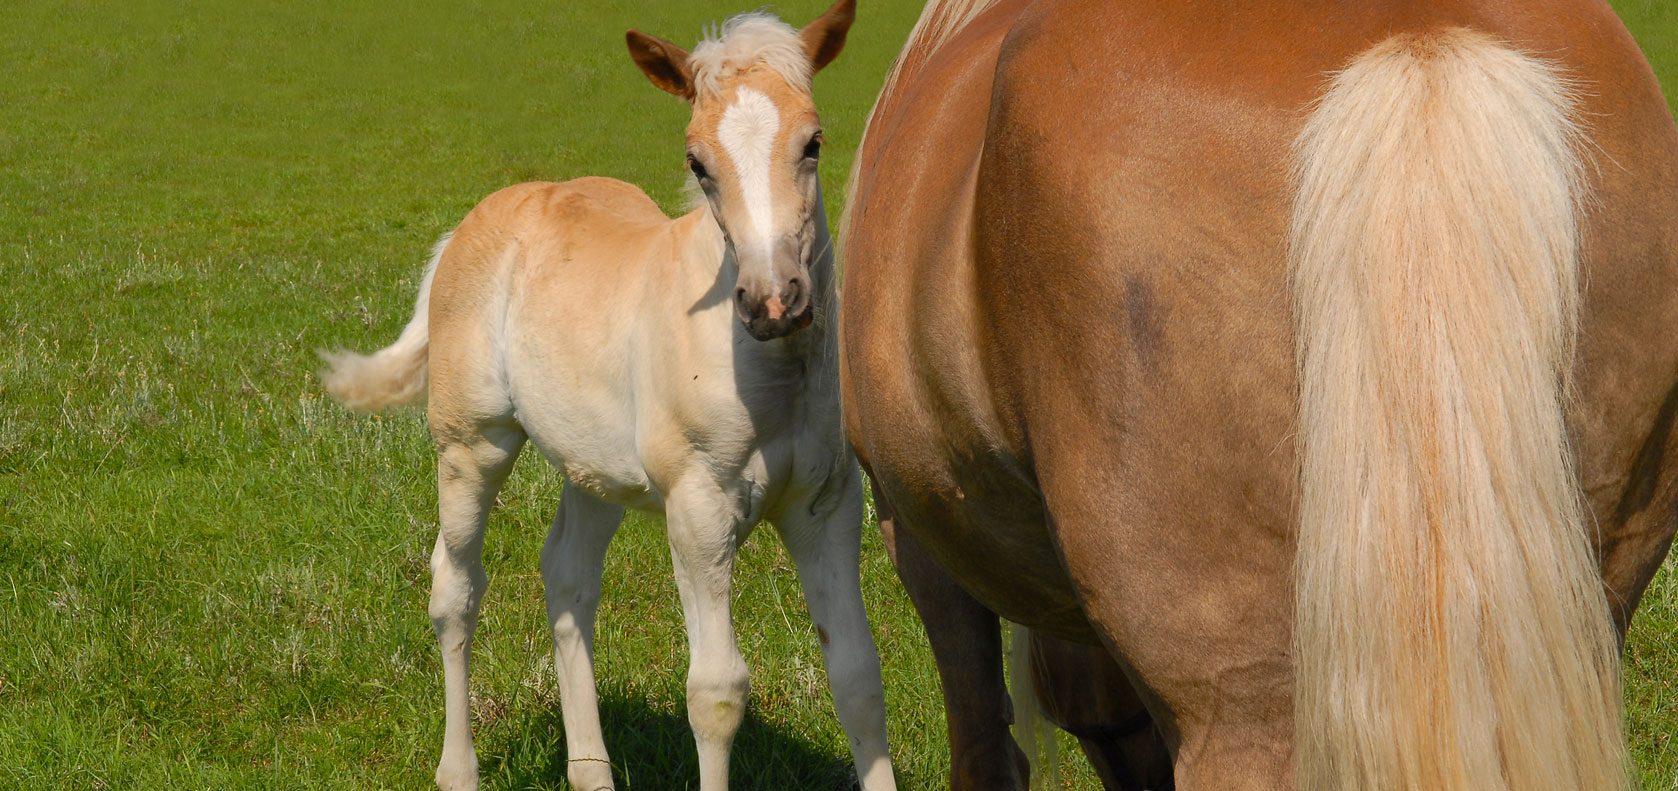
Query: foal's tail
1451	628
393	375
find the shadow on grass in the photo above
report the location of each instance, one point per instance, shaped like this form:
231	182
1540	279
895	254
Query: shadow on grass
652	750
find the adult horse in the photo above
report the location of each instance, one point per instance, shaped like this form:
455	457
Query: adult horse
664	365
1315	358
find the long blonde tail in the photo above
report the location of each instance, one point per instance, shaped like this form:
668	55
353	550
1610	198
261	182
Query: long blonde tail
1451	629
393	375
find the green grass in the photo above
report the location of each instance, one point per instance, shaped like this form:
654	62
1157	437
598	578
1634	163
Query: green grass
210	576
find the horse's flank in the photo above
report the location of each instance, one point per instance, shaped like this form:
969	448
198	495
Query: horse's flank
1075	226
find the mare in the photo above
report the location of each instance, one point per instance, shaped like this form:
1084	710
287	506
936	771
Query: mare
679	366
1313	359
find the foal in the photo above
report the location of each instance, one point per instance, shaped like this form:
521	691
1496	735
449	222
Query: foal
683	367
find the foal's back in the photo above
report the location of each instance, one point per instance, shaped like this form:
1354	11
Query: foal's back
549	310
590	233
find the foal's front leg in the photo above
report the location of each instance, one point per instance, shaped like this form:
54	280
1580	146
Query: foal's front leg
471	467
572	561
705	528
826	546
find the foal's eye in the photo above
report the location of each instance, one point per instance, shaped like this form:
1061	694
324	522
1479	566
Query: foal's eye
813	149
698	169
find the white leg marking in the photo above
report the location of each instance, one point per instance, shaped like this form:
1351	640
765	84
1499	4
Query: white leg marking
572	561
703	527
468	477
827	549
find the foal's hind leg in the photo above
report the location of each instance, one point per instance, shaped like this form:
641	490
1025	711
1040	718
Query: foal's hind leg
827	548
966	643
572	560
470	471
705	528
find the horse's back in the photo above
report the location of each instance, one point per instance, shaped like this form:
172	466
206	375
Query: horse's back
590	219
589	225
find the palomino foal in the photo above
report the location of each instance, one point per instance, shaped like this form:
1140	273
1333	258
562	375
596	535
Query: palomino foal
680	366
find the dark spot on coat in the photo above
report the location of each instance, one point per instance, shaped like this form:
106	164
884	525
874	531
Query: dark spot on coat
1142	316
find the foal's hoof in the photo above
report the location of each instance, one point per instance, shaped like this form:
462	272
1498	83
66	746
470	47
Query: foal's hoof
590	774
457	778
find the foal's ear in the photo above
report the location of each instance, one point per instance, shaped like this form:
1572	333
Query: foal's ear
824	37
664	63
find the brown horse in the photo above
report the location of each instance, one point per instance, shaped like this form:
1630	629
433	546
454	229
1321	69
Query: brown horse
1313	358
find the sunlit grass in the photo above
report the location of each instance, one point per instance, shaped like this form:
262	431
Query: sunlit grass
211	577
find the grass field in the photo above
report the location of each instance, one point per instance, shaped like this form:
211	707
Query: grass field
211	577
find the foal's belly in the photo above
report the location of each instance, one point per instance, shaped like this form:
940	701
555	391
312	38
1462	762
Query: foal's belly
591	444
595	418
568	399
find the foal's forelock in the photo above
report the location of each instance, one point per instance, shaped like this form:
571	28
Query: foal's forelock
748	40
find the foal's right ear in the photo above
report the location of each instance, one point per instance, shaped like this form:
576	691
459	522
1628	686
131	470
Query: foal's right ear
664	63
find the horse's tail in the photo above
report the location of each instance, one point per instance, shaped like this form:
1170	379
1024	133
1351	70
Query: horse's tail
1451	628
393	375
1032	730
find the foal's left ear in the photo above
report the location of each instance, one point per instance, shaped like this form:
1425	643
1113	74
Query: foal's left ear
824	37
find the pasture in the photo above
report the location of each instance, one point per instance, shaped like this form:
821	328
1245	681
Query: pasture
213	577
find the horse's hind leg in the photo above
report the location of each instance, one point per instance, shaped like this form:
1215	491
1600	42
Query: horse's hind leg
827	548
572	562
1087	694
705	527
470	471
966	640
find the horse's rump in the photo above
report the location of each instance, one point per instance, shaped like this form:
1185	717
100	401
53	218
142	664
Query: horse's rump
1119	290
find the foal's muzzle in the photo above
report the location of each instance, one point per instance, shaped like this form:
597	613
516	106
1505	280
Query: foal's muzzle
778	314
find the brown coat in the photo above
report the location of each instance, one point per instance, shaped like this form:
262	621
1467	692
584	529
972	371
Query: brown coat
1068	342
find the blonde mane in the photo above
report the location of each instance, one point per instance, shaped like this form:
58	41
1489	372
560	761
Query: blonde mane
753	39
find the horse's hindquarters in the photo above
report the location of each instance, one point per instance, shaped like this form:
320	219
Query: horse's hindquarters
1120	329
918	411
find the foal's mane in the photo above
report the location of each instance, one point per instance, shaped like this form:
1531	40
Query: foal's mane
746	40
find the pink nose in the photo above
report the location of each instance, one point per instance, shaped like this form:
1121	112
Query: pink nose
774	308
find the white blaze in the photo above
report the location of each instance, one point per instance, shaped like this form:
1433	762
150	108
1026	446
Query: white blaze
747	133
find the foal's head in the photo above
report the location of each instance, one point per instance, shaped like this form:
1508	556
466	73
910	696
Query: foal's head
753	143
